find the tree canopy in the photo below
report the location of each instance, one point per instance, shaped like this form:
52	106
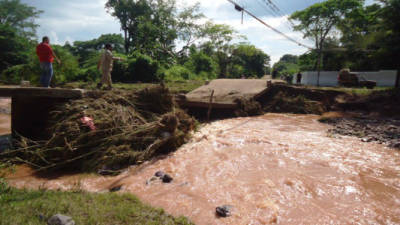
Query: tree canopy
19	16
318	21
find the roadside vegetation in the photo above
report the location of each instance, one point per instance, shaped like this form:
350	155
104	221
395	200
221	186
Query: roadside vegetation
174	87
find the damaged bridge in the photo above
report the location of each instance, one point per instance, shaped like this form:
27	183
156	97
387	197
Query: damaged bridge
30	107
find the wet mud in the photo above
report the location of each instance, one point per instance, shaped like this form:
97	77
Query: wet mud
272	169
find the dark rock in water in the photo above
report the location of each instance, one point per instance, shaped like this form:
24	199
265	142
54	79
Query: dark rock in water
159	174
224	211
166	178
59	219
395	145
116	188
152	179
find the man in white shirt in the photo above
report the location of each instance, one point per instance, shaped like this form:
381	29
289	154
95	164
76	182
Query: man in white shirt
105	65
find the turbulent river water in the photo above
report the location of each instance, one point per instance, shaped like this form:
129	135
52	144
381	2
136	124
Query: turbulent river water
275	168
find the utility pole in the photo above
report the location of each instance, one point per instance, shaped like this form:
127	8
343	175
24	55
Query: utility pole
397	85
319	65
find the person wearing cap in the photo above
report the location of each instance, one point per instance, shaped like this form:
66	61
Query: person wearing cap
46	57
105	65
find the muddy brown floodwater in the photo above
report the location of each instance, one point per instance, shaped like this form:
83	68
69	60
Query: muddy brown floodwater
275	168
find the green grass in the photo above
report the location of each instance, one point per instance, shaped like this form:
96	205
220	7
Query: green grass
175	87
355	91
24	207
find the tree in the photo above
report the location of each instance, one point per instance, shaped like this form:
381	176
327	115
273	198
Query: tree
85	49
287	65
253	60
17	27
14	47
217	43
188	29
318	21
19	16
202	65
149	25
288	58
391	22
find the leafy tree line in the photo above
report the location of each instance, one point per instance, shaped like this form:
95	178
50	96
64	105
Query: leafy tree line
347	34
159	42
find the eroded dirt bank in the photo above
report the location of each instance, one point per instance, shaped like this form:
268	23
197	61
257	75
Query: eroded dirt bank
275	168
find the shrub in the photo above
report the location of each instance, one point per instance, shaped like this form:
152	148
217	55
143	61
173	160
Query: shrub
200	63
178	73
119	72
15	74
142	68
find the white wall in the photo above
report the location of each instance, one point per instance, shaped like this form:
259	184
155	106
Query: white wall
383	78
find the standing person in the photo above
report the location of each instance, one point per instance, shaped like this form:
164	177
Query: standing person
46	57
298	78
105	65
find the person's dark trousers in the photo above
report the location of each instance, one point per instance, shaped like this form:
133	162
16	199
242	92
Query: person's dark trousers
47	73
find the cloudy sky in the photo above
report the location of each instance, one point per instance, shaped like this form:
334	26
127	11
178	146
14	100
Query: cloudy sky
82	20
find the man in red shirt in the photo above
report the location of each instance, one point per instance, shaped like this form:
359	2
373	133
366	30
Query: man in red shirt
46	57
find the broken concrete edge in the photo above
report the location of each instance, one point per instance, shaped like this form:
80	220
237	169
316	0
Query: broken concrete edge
41	92
183	101
215	105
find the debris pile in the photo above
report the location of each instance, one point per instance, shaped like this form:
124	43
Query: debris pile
282	102
107	131
281	98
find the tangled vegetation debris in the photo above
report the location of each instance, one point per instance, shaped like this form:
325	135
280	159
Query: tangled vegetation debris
282	102
107	131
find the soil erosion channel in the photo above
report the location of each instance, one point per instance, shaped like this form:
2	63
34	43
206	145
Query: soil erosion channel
276	168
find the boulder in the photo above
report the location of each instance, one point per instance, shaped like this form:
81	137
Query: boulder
224	211
59	219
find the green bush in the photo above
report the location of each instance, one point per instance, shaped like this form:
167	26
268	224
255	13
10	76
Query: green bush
68	70
200	63
236	71
178	73
90	74
119	72
142	68
15	74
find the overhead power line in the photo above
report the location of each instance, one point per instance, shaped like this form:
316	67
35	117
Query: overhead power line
239	8
280	13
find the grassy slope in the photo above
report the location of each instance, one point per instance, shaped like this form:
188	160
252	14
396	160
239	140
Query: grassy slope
25	207
355	91
175	87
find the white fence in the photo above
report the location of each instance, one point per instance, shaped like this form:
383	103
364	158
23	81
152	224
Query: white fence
383	78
